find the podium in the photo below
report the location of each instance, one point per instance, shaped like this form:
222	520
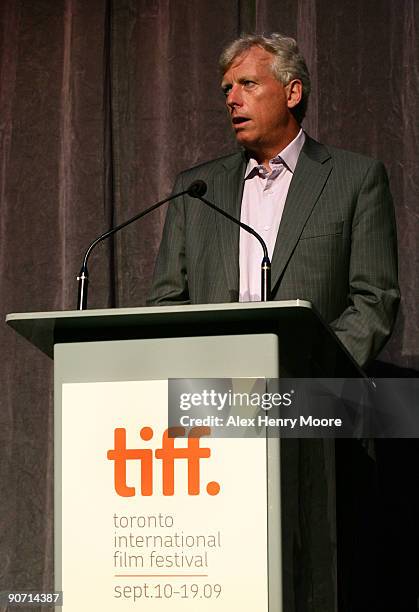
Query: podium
111	369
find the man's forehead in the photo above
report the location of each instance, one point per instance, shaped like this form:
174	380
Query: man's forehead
255	57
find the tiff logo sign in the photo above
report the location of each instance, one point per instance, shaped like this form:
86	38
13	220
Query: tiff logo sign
167	455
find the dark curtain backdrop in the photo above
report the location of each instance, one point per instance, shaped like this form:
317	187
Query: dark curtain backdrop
102	102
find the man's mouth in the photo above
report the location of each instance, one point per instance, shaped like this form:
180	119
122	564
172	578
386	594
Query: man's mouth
239	120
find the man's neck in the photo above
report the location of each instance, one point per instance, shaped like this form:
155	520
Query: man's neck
263	156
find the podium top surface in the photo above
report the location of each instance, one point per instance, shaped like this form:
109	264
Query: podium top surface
304	338
43	329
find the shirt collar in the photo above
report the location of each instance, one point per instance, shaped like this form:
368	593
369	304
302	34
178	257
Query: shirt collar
288	156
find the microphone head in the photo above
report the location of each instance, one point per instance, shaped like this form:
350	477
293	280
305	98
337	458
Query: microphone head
197	189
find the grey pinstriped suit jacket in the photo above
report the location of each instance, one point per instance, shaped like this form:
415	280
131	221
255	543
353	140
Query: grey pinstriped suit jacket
336	244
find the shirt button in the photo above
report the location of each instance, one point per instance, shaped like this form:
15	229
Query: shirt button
267	227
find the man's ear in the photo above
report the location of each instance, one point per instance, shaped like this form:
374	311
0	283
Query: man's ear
294	93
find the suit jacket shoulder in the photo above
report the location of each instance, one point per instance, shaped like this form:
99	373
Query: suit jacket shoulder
209	169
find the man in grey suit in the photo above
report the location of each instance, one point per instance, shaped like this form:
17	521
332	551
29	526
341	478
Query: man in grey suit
326	214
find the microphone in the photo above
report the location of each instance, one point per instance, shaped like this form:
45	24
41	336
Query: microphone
197	190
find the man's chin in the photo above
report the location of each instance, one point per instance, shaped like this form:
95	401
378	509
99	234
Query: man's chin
244	139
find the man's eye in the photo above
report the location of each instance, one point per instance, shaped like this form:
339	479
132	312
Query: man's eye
248	84
226	89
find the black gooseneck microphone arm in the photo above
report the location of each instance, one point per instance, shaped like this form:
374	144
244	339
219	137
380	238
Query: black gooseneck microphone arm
83	277
197	190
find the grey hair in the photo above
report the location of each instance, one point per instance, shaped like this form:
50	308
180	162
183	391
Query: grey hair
288	63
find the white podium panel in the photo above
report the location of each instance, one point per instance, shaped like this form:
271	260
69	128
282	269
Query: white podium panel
147	522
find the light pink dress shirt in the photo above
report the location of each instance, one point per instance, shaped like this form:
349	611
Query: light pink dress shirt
263	203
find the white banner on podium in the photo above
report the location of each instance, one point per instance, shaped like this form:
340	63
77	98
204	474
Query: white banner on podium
156	523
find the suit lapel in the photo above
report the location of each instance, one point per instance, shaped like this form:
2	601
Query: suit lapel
311	173
228	192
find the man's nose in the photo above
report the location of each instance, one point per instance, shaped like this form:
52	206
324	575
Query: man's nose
234	97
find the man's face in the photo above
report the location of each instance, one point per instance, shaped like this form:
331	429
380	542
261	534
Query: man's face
258	104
